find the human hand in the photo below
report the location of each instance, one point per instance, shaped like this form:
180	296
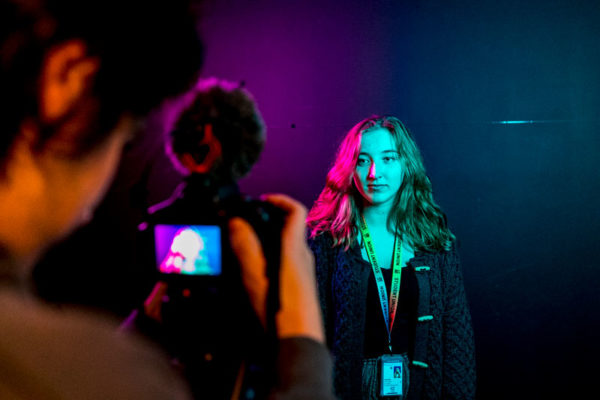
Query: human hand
299	313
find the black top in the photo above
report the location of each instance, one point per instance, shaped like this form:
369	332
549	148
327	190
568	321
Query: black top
403	331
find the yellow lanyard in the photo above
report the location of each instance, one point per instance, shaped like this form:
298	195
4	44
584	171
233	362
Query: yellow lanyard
389	311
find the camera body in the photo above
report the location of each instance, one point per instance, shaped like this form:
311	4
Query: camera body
209	325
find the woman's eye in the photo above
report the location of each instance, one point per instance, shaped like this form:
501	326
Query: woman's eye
362	161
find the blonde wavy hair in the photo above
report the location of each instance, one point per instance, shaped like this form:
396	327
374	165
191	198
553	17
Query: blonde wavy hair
415	215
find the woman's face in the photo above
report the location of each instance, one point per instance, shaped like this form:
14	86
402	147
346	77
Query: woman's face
379	170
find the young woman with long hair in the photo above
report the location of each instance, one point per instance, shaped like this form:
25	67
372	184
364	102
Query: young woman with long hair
390	284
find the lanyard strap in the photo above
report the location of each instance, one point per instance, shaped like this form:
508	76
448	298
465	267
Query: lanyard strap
389	311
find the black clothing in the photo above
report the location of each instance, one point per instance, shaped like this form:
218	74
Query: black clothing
443	363
403	331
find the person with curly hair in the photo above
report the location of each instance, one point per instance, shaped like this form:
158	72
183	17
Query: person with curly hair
215	136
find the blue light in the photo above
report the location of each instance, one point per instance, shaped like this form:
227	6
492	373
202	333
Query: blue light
532	121
513	122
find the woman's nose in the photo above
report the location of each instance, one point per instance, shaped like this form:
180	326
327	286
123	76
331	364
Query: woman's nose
372	171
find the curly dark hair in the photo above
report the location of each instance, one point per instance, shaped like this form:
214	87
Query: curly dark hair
236	123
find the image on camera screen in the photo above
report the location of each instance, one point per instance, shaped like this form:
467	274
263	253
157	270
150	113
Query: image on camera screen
188	249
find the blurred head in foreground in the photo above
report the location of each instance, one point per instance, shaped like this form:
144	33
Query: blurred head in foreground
76	80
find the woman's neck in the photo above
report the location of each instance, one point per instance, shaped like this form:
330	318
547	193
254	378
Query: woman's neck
376	216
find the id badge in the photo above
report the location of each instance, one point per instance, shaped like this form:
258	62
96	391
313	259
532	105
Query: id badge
391	373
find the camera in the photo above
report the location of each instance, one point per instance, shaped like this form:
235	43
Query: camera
208	324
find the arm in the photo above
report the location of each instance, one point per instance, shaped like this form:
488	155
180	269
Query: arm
299	314
459	347
304	364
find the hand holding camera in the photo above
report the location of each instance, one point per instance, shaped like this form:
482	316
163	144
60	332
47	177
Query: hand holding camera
299	313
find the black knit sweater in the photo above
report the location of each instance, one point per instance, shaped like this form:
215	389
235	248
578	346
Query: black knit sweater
443	366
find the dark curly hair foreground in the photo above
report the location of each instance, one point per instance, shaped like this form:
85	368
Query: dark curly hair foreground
235	121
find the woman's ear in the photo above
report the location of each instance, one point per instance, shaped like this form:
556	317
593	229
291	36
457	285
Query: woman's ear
66	76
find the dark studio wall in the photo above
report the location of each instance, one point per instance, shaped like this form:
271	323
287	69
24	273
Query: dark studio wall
521	197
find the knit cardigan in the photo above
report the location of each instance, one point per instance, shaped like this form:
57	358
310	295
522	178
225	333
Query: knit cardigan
443	365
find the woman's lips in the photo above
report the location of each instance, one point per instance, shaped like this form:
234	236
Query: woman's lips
376	187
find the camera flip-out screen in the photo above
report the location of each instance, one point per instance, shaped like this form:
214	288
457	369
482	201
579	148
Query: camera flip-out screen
188	249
